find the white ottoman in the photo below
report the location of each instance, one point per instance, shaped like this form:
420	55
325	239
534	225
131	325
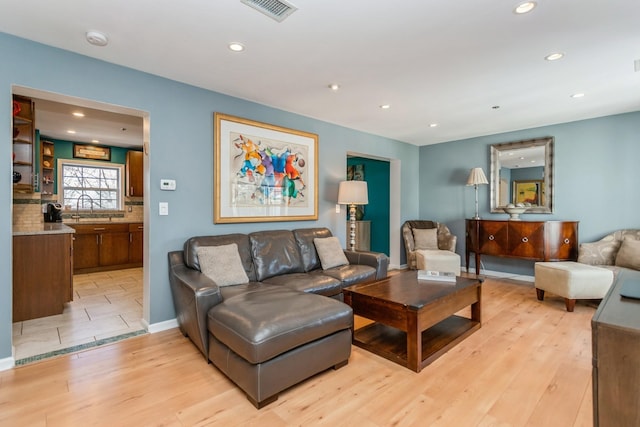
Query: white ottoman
438	260
572	281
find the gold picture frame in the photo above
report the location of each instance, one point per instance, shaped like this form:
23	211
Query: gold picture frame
263	172
530	191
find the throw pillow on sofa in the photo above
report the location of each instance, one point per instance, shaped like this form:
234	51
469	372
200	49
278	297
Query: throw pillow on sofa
222	264
330	252
598	253
425	238
629	254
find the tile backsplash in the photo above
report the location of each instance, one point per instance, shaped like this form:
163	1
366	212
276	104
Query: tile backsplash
28	209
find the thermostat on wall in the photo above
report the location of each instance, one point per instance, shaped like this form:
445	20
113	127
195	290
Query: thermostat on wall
167	184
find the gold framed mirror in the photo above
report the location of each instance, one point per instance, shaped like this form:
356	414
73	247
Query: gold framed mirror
522	173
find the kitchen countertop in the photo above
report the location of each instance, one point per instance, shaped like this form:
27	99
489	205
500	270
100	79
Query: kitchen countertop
44	228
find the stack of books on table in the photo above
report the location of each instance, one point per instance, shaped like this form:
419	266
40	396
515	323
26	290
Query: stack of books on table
438	276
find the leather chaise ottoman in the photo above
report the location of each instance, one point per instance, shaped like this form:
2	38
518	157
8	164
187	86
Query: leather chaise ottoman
272	337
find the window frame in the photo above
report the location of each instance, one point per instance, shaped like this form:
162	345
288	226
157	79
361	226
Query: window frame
93	164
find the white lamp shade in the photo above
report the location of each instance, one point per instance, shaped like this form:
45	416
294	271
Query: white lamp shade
353	193
476	176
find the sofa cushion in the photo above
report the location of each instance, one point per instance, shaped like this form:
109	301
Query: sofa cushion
425	238
315	283
271	320
602	252
629	254
330	252
275	252
350	274
304	238
244	250
222	264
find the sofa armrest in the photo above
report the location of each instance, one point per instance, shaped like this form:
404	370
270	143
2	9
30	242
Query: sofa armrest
193	295
377	260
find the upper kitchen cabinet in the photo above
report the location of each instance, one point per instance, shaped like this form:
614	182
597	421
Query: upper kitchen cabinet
46	167
23	144
135	171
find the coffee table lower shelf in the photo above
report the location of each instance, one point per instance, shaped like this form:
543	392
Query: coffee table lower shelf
391	343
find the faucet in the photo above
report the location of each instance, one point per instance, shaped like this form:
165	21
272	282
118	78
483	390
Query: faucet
82	196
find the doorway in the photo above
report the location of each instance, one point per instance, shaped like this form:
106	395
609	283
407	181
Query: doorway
389	204
107	305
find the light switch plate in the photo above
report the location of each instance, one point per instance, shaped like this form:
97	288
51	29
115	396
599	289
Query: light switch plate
164	208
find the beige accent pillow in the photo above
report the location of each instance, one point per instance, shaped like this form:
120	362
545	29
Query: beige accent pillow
222	264
425	238
629	254
330	252
598	253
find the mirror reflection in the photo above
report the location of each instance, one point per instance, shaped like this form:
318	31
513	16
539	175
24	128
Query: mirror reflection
522	175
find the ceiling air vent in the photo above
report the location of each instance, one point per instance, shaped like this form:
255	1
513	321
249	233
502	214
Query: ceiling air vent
274	9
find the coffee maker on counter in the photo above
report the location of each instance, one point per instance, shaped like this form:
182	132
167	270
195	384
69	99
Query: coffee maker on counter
53	213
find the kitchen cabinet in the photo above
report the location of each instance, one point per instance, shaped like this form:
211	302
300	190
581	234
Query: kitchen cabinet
136	239
43	291
46	167
23	144
101	247
135	170
532	240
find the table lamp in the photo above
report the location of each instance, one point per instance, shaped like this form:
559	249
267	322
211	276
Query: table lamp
476	176
353	193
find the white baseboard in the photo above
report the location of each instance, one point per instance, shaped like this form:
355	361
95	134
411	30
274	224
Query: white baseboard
160	326
7	363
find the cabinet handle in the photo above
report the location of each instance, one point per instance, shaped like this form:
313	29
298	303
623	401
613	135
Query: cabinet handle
97	241
141	227
491	237
131	190
525	240
130	237
566	241
99	229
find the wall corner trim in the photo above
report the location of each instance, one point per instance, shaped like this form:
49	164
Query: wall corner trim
160	326
7	363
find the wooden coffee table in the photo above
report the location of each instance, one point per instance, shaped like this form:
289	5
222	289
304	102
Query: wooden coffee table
414	320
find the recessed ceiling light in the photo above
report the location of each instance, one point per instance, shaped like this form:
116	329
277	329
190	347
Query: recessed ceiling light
433	125
71	131
236	47
577	95
385	106
96	38
95	141
78	114
525	7
554	56
334	87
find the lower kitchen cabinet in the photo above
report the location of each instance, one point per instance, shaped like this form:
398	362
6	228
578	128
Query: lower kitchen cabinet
101	247
43	291
136	239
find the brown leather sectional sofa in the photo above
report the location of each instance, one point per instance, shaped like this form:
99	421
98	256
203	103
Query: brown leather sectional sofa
280	328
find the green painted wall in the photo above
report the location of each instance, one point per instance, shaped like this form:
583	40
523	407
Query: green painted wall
376	173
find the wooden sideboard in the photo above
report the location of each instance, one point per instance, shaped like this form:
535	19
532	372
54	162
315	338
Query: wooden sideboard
532	240
615	330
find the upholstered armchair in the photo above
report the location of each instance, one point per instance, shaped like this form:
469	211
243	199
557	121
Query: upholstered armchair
429	245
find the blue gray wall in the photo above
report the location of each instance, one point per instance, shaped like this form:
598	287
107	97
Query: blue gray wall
596	180
181	148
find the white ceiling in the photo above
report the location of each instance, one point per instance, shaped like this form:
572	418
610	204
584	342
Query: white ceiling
445	62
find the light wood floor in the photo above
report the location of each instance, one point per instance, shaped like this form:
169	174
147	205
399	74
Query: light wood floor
529	365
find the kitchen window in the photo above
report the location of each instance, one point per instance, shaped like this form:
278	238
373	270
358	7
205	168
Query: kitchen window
90	185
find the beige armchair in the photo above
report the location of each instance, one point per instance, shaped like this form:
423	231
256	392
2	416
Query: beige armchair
428	252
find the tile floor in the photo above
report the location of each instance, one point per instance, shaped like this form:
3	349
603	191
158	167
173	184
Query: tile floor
104	305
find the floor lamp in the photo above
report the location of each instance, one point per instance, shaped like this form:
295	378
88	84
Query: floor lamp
353	193
476	177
